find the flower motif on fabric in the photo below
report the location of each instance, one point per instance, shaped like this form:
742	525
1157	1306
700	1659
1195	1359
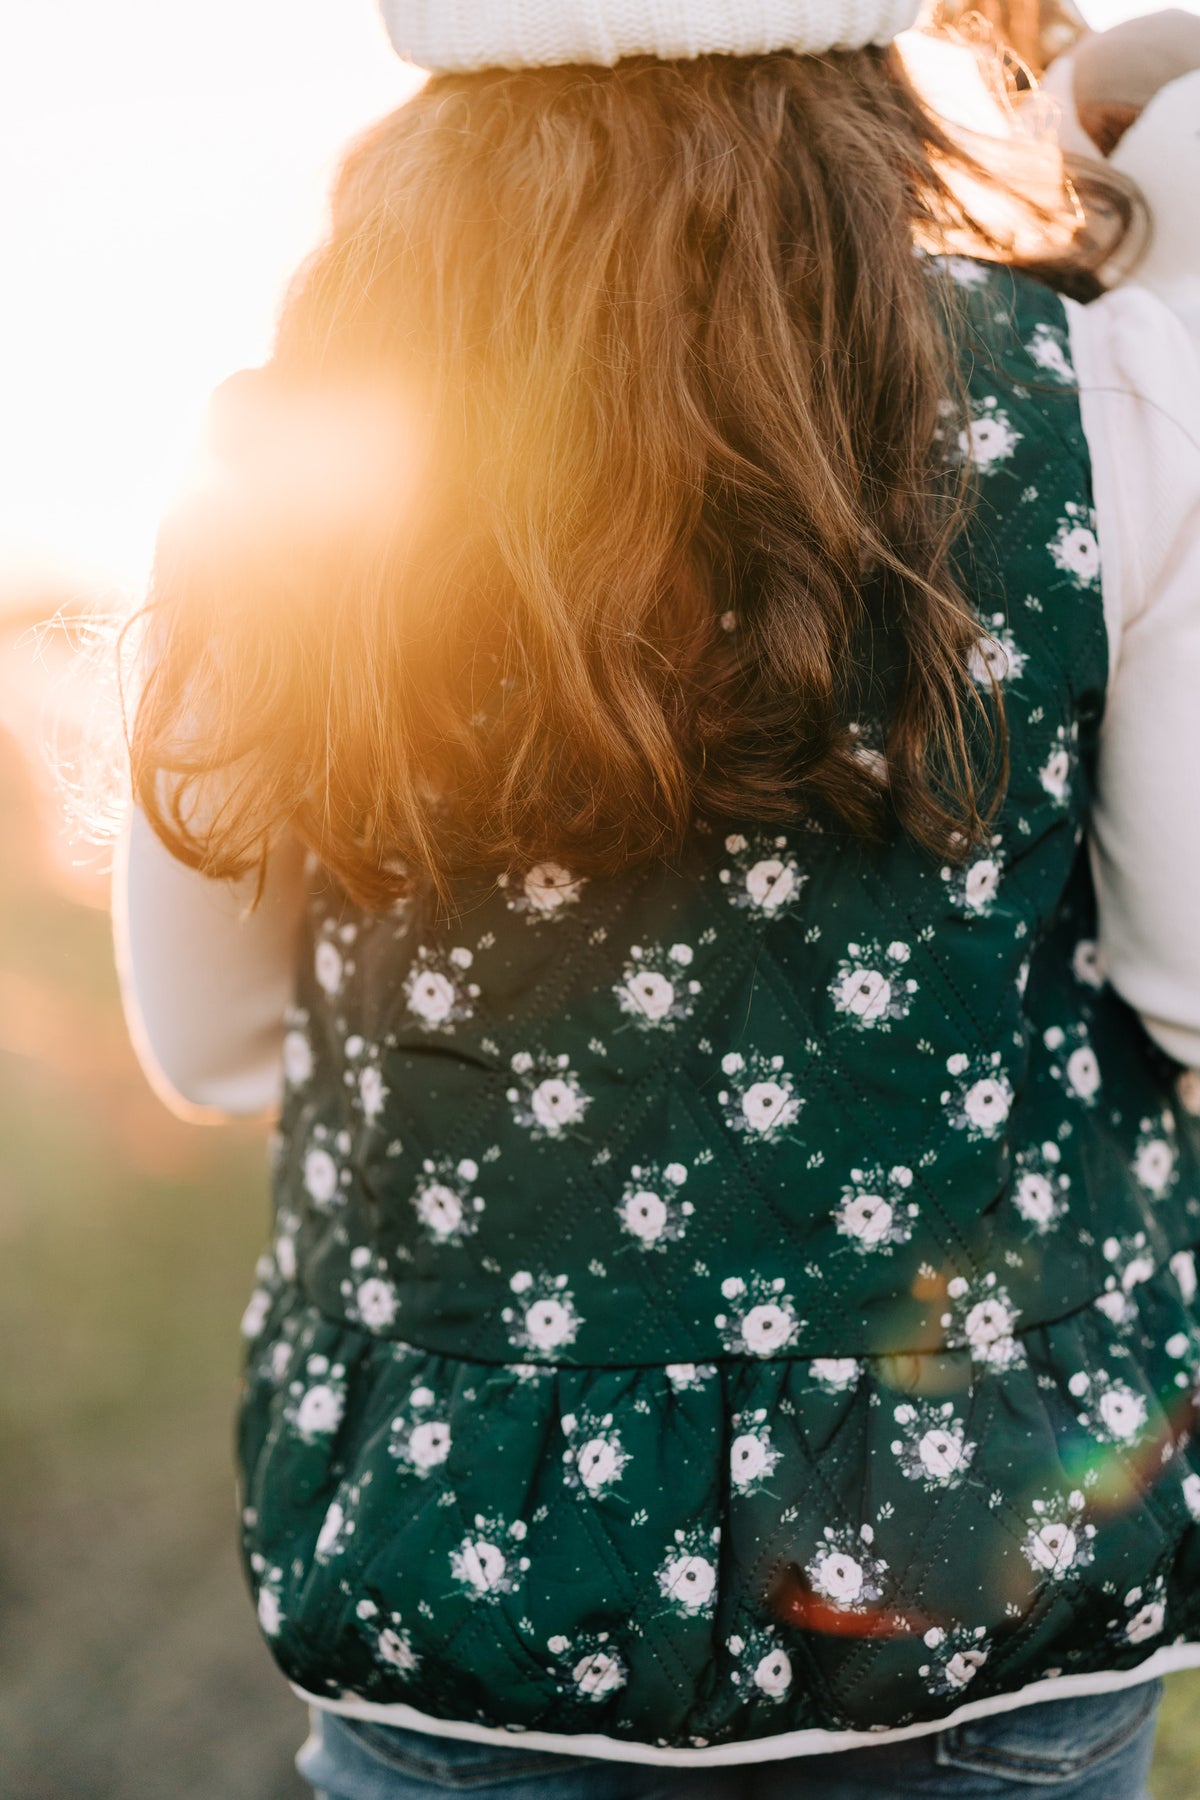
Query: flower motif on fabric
1086	965
1075	548
549	1101
1190	1488
1047	350
762	1318
870	987
1183	1347
316	1405
545	892
1075	1063
258	1309
990	436
1058	1540
984	1320
964	271
1116	1412
974	886
763	875
687	1378
761	1098
438	995
1146	1614
1183	1267
365	1077
655	990
995	657
325	1175
337	1527
271	1616
844	1571
1056	772
332	961
934	1448
763	1668
420	1437
651	1210
595	1458
1155	1158
1041	1188
877	1212
1131	1265
488	1562
753	1458
592	1667
443	1202
687	1575
544	1320
835	1374
390	1643
982	1097
958	1655
298	1062
369	1296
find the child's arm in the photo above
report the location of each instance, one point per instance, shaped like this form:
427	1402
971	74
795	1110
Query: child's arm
206	981
1140	386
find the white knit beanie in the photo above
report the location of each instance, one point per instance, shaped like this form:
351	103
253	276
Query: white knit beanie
445	35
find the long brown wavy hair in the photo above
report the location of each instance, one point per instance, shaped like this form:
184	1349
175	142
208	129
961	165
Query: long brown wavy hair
626	389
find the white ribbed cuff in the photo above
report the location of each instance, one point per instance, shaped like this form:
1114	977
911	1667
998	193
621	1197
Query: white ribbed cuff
445	35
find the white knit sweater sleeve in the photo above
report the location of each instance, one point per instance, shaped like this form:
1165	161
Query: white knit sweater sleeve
1139	375
205	977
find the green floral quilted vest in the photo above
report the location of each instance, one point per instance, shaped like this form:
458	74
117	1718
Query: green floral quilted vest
728	1305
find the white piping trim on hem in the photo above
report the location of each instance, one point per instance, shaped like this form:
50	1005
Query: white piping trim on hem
1167	1661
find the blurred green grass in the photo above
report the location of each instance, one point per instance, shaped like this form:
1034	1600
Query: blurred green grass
130	1667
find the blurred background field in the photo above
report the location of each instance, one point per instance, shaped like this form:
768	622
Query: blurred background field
130	1664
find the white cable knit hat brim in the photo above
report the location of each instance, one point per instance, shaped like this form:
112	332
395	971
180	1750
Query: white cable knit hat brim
446	35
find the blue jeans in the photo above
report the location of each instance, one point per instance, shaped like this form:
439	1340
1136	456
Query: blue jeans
1063	1749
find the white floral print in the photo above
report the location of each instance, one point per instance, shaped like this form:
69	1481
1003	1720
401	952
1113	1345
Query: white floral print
1155	1157
1074	548
763	875
1086	964
1131	1266
763	1666
337	1528
420	1437
958	1655
1058	1540
651	1209
487	1563
594	1668
445	1206
835	1374
1075	1064
549	1102
995	657
1146	1613
974	887
1190	1487
1057	770
297	1050
752	1456
1041	1188
325	1174
982	1097
595	1458
990	436
391	1645
1116	1413
271	1616
1183	1267
983	1319
762	1318
1047	349
547	891
438	995
317	1403
934	1448
687	1377
761	1099
876	1212
544	1319
655	990
870	987
687	1575
844	1571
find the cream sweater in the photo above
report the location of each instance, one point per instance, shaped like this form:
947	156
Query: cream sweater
206	981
